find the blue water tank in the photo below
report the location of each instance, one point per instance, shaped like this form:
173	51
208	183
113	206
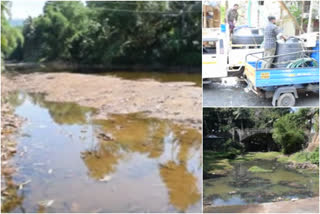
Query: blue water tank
223	28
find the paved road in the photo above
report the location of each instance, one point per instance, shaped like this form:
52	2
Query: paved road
308	205
232	93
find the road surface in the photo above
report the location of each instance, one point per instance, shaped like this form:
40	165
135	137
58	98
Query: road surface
232	93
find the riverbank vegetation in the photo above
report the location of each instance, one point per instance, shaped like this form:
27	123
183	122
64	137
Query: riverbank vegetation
11	37
108	34
238	134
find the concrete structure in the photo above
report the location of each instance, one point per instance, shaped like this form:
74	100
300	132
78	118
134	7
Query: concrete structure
248	132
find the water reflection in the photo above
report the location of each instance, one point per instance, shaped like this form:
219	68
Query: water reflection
181	184
158	139
152	165
66	113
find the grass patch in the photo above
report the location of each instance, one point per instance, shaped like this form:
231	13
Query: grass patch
258	155
301	157
217	162
258	169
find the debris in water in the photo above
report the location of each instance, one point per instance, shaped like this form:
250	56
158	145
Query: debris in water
42	126
105	136
46	203
24	183
105	178
50	171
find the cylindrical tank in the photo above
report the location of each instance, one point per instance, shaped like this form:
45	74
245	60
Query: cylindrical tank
286	47
247	35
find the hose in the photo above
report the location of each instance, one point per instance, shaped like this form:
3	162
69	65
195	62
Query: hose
303	63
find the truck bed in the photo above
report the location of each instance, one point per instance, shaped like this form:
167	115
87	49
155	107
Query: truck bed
280	76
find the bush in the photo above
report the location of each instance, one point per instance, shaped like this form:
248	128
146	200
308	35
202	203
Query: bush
304	156
314	157
292	142
288	134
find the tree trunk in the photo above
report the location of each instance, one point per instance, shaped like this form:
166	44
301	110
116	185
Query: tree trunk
284	7
310	17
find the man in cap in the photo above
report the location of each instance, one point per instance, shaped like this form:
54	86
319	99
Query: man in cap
271	32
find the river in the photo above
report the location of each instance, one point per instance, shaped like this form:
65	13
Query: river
69	162
242	187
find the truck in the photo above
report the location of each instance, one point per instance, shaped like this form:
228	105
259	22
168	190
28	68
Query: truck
214	56
283	83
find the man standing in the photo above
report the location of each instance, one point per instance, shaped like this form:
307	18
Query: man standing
271	32
232	17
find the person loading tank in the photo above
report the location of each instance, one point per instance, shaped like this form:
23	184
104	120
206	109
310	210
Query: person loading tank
271	32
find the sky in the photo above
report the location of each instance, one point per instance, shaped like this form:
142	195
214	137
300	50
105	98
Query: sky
21	9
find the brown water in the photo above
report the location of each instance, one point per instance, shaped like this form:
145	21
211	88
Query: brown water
159	76
127	163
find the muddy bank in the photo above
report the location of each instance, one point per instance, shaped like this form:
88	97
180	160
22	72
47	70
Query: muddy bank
62	66
176	101
10	124
309	205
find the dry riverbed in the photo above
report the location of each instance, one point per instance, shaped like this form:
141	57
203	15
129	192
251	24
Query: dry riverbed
176	101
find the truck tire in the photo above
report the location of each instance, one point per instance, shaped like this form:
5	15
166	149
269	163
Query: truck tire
286	100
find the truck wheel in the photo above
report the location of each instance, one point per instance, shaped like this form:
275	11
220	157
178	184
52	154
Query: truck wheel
286	99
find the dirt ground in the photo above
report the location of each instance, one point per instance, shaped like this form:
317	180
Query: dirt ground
176	101
309	205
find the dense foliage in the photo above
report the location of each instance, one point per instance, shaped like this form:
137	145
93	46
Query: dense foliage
289	128
116	33
221	120
11	37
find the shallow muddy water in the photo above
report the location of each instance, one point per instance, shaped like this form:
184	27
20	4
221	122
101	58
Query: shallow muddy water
159	76
127	163
242	187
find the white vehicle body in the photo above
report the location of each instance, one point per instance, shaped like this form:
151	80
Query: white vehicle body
237	57
214	59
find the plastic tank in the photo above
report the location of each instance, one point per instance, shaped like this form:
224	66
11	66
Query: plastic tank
285	47
247	35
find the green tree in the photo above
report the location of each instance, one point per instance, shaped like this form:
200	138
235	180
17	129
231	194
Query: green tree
11	37
288	134
116	33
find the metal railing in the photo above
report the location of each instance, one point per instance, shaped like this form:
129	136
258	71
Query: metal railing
254	55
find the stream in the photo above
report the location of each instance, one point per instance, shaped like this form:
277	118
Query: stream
241	187
70	162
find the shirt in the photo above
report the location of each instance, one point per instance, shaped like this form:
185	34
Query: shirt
270	36
232	15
